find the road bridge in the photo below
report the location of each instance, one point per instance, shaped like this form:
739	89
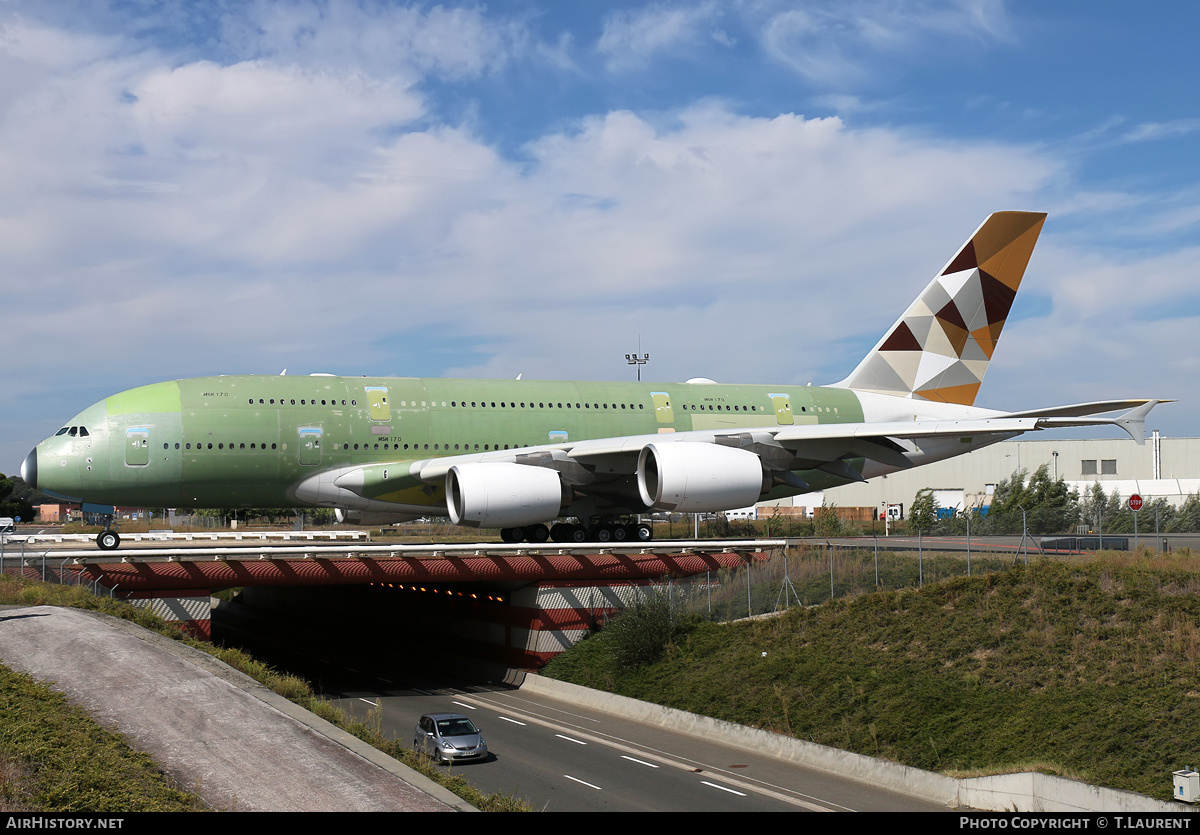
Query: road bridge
516	604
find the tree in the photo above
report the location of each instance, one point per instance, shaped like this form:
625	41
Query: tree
10	502
922	513
826	521
1187	518
1047	505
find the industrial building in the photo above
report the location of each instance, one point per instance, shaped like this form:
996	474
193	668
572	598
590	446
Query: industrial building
1161	468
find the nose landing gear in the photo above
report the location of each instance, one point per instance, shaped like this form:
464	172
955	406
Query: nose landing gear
108	539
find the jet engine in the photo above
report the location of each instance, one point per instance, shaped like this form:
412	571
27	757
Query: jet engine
697	478
503	495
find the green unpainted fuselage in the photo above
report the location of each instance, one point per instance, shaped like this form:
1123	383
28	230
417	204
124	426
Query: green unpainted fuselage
247	441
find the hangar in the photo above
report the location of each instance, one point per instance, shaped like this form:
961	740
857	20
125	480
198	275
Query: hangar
1166	468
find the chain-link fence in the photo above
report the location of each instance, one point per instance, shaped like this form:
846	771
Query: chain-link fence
815	571
43	565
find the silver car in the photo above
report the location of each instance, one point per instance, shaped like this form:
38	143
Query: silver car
449	737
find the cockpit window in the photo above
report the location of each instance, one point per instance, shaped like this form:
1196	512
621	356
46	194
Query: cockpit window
74	431
83	433
62	431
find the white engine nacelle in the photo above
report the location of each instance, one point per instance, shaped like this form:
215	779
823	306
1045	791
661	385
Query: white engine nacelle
698	478
503	495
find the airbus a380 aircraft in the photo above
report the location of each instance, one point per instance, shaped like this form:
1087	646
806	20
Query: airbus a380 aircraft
518	454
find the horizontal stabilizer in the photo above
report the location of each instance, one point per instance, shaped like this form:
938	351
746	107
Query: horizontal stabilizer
1097	407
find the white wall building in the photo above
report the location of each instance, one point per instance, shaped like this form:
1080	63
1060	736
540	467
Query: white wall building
1161	468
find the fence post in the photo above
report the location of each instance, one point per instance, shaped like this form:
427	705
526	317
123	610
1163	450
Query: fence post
968	544
876	562
829	548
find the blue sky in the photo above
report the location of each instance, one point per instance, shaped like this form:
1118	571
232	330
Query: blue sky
754	189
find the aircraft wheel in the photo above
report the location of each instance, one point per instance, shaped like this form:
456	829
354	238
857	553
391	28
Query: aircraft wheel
578	534
537	533
560	532
600	533
619	533
642	532
107	540
511	535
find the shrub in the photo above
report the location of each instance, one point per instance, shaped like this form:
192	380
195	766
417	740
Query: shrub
640	634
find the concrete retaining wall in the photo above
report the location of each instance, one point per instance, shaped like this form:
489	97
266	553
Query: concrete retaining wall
1027	792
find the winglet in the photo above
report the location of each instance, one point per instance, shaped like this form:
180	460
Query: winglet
1134	421
940	348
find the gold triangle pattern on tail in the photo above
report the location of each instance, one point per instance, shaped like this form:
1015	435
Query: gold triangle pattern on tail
940	348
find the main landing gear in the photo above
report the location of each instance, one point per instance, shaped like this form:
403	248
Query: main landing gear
565	532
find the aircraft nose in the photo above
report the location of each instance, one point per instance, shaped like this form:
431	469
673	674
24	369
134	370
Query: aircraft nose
29	469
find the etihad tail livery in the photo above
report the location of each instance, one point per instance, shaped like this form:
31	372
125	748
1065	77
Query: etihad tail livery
518	454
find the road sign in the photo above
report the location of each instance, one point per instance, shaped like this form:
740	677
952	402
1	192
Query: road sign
1135	502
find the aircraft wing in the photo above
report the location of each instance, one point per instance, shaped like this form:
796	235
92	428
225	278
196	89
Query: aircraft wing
703	469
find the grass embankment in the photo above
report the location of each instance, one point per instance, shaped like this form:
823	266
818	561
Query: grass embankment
54	758
1088	670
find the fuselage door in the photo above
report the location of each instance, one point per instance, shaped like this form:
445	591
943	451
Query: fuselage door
377	398
137	446
310	445
662	407
783	409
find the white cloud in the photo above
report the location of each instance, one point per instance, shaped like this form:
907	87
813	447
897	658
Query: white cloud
1151	131
380	38
633	37
168	215
842	43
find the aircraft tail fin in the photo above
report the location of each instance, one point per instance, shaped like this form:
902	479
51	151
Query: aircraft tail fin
940	348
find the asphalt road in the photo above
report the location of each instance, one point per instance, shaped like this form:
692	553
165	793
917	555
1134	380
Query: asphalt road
560	757
554	754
